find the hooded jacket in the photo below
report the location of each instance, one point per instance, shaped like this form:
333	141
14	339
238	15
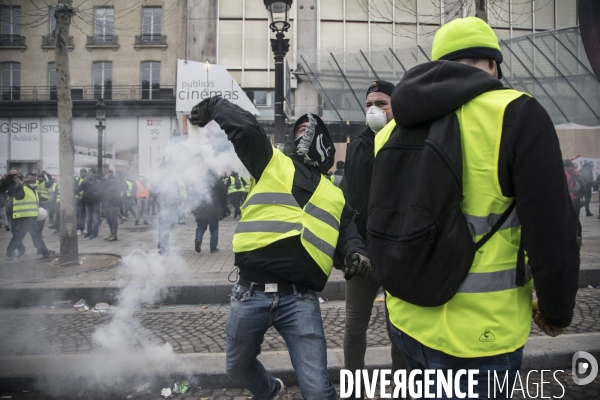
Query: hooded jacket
356	180
284	261
529	169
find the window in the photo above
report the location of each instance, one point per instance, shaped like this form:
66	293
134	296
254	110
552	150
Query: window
10	23
102	80
261	98
151	21
11	81
150	80
11	20
104	24
52	80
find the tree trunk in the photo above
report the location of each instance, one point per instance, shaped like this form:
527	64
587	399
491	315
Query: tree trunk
68	210
481	9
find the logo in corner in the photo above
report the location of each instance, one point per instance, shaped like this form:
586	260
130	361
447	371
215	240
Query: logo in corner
581	368
487	336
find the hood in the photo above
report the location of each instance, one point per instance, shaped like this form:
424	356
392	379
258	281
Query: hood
429	91
291	150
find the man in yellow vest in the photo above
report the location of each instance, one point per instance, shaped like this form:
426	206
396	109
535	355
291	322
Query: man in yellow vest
510	158
129	198
294	223
236	188
44	183
25	211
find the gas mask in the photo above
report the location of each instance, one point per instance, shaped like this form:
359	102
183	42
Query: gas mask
377	118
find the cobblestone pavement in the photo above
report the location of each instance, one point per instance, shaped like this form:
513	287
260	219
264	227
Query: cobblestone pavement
194	329
566	390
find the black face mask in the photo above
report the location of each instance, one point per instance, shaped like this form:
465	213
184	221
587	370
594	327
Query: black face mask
314	146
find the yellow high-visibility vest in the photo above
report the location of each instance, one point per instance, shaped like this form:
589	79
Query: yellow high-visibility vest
28	206
232	189
271	213
43	192
489	315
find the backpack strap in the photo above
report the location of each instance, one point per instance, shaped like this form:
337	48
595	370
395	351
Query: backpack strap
496	226
521	276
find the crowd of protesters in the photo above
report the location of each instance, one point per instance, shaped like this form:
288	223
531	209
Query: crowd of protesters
115	197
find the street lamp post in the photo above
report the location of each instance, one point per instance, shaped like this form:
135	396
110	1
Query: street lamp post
278	17
101	117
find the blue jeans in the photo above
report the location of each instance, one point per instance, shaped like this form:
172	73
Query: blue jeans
93	218
297	318
422	357
213	226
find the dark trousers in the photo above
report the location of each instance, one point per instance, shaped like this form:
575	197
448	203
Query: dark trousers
52	210
80	215
56	223
213	226
236	199
577	204
21	227
93	218
128	207
360	295
167	218
586	199
112	219
13	227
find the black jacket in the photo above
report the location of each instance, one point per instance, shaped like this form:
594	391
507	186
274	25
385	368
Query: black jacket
285	261
110	190
89	192
530	169
356	181
214	205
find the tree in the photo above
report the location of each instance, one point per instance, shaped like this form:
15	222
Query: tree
69	251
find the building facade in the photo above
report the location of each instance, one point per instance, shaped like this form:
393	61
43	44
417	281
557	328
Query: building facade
126	52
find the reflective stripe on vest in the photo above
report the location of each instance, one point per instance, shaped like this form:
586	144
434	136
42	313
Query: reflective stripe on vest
271	213
28	206
489	315
42	191
142	192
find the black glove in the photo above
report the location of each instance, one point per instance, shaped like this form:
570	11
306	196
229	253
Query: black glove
356	265
200	115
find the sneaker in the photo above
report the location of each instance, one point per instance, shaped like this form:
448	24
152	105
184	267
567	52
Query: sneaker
112	239
8	227
136	221
145	222
87	235
78	232
55	233
10	259
20	255
215	250
589	214
108	237
93	237
49	253
197	245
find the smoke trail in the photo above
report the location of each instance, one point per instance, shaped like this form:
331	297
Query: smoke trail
123	348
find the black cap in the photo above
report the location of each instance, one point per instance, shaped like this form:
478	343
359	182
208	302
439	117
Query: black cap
484	53
381	87
340	164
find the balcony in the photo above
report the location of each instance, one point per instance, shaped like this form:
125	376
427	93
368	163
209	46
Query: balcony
149	40
49	42
89	93
12	42
102	42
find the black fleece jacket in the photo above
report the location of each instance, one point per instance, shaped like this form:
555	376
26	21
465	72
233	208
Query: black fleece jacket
530	169
285	261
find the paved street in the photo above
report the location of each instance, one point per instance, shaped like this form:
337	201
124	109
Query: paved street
199	328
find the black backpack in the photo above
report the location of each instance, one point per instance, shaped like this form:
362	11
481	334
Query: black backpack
577	186
237	184
419	241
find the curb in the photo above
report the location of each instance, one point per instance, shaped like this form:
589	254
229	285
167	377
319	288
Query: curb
207	370
43	294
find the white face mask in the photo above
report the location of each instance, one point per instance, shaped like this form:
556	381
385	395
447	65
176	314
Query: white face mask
376	118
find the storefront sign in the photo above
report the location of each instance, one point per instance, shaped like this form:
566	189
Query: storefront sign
25	138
